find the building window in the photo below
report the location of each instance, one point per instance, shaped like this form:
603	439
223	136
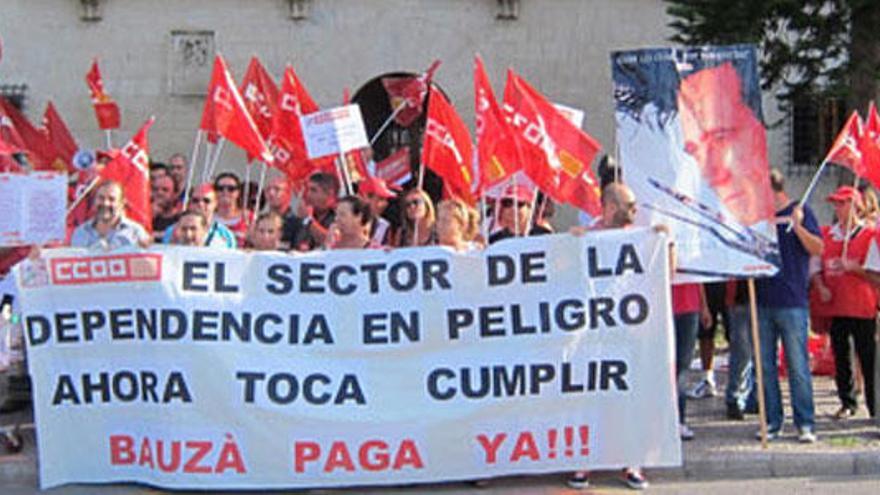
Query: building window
15	93
814	125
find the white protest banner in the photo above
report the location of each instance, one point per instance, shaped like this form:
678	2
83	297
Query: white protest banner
693	149
34	208
334	131
197	368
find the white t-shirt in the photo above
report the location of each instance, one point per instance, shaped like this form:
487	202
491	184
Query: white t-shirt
872	261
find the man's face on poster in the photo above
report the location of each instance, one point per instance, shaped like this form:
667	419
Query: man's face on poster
727	141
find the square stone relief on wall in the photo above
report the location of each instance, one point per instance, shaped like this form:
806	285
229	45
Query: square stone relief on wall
191	59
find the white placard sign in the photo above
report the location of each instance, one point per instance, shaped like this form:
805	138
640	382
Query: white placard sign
334	131
33	208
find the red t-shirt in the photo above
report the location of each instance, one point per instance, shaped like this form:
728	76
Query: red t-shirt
685	299
851	295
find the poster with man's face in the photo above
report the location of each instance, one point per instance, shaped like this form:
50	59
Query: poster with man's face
694	150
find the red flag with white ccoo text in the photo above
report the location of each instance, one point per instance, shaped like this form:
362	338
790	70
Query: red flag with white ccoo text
260	94
58	134
869	145
498	154
225	115
447	148
131	168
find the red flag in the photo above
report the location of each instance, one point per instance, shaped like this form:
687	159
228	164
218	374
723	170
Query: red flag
59	135
131	168
225	114
395	168
447	148
39	150
7	163
869	145
845	150
260	95
410	92
287	141
554	150
106	110
498	154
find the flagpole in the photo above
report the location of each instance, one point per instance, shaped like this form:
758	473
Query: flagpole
192	165
388	122
209	152
484	225
246	188
82	196
532	211
260	188
849	218
217	152
810	187
108	136
515	206
759	369
343	159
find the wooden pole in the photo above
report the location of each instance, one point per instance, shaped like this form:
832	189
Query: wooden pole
759	369
849	219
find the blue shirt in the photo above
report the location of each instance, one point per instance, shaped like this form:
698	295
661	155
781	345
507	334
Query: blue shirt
218	236
789	287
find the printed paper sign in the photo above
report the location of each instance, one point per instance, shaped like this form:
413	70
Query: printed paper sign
34	207
334	131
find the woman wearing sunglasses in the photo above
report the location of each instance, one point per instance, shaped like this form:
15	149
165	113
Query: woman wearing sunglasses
229	210
416	220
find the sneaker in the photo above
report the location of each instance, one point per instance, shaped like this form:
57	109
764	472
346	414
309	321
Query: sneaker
843	413
579	480
806	435
634	479
771	434
685	432
702	390
735	413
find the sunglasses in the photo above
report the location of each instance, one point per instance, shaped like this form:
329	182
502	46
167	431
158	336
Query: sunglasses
415	202
201	200
507	203
226	188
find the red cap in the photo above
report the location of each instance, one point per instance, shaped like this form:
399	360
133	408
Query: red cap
845	193
519	192
378	187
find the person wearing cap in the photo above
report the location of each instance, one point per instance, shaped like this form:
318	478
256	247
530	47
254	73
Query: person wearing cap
204	201
377	193
514	214
783	314
848	297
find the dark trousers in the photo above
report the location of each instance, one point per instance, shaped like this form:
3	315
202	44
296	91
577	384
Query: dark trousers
861	330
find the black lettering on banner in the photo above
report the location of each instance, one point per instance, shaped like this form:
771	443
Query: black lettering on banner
91	321
65	327
639	303
315	388
456	320
309	276
121	386
387	328
194	272
372	270
280	282
533	267
220	284
335	285
628	260
434	385
501	269
39	329
120	321
435	272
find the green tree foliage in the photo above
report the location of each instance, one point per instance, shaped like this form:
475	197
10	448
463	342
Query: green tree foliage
808	47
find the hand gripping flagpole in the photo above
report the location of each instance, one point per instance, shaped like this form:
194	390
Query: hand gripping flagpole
810	187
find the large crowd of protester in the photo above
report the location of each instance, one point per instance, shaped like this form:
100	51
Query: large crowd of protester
828	281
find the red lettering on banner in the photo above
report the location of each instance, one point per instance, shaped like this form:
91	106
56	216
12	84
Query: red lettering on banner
106	269
187	456
525	446
372	455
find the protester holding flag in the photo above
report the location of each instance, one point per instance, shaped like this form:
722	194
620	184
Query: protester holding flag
849	298
376	192
417	220
204	201
351	227
109	228
316	211
458	225
229	205
265	233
